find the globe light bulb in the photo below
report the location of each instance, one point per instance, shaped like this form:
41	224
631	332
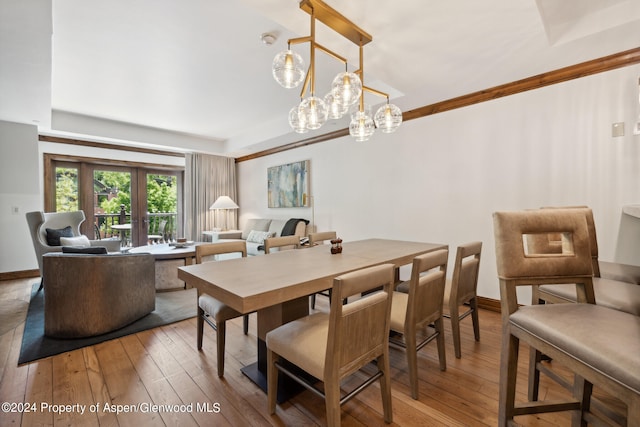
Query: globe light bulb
346	88
388	118
288	69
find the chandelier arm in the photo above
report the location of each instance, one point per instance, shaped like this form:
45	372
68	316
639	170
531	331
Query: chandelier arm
331	53
376	92
361	75
312	55
305	85
299	40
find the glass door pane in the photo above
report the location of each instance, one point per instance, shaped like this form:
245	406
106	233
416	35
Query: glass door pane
162	207
66	189
112	204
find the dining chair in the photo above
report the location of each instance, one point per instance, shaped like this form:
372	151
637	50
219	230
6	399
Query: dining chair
212	311
156	238
598	344
315	238
461	291
332	346
615	294
414	312
281	243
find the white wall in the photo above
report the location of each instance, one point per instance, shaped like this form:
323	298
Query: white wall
19	193
439	178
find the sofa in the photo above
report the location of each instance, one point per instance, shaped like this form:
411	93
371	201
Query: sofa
255	230
89	294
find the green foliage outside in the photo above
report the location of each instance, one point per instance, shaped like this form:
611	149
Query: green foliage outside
162	191
66	189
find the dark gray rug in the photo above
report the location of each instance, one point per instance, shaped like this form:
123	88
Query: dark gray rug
170	307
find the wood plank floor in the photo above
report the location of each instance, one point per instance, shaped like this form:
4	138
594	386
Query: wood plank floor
162	367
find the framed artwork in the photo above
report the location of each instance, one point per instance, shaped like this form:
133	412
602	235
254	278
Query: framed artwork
288	185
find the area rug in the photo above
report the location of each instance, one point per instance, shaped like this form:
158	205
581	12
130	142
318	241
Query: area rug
170	307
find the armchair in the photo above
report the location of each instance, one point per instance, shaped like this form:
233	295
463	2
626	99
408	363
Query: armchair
39	222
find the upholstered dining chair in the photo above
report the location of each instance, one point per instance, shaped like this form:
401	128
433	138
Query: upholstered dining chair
212	311
414	312
281	243
617	294
598	344
314	239
332	346
461	291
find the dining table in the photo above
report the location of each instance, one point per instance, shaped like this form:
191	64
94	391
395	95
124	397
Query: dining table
277	286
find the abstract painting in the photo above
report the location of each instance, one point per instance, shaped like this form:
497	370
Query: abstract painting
288	185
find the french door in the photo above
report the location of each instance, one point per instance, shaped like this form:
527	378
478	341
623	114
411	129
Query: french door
129	201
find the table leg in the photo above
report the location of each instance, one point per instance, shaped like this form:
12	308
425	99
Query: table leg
268	319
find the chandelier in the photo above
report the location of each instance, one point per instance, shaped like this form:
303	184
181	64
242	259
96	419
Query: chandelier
347	89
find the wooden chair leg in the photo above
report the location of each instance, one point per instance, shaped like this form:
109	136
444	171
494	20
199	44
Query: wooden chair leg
200	327
412	361
221	329
332	402
439	325
245	324
272	381
455	329
508	375
582	392
475	318
385	388
534	374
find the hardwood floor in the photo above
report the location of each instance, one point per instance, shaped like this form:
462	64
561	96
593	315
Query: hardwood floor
162	367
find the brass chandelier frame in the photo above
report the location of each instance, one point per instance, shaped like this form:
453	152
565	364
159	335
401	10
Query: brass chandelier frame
319	10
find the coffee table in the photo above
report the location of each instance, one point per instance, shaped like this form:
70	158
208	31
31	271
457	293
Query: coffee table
168	259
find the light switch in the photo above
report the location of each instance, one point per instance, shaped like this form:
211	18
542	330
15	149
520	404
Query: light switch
617	129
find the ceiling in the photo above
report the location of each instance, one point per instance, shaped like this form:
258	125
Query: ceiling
195	75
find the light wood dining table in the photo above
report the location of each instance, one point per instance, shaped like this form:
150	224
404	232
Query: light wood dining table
277	285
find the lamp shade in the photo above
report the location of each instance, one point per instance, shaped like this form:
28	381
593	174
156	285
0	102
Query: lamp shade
224	202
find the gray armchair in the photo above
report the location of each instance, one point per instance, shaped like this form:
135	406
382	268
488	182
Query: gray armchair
39	222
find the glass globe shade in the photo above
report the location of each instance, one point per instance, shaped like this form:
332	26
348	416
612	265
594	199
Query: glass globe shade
346	88
288	69
315	112
335	109
297	120
361	126
388	118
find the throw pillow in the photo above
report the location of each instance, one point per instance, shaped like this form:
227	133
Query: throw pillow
258	237
54	235
93	250
82	241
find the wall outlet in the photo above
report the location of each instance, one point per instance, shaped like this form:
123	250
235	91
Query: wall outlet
617	129
15	210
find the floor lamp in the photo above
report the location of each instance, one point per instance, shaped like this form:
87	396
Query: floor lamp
224	202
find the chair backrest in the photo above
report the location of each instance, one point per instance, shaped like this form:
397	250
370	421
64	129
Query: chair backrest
39	221
358	330
281	242
464	282
593	239
321	237
517	266
206	252
426	288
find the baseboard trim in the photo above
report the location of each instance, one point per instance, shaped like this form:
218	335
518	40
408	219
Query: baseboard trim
16	275
489	304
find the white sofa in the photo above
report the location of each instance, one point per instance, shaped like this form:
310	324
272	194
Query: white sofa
263	228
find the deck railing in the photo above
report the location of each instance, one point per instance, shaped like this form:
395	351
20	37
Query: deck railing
103	224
